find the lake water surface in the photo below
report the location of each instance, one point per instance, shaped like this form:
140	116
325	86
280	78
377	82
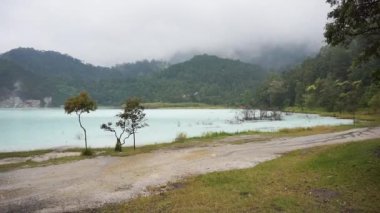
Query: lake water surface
26	129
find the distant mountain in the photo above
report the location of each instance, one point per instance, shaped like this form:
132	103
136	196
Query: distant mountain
210	79
45	74
53	64
270	57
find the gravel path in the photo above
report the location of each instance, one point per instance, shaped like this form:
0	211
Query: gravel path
93	182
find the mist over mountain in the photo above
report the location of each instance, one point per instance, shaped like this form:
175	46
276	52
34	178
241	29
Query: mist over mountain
279	58
270	57
107	33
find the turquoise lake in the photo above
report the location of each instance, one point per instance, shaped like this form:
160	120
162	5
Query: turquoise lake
28	129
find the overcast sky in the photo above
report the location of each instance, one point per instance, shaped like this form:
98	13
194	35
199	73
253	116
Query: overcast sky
107	32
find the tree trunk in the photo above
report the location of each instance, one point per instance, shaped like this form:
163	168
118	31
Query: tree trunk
134	141
84	130
118	145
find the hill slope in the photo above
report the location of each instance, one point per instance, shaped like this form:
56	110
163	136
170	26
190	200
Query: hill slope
210	79
17	82
204	78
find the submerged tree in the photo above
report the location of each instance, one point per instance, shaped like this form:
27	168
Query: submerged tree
80	104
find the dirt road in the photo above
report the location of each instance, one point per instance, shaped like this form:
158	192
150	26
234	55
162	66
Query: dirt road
93	182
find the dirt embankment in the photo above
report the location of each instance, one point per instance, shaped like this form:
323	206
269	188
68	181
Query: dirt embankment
92	182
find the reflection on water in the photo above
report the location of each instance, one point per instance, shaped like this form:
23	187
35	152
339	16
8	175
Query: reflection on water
24	129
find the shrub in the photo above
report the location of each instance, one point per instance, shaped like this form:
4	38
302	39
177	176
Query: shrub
181	137
87	152
215	134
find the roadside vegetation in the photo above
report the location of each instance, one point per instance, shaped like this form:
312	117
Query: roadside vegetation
31	164
364	117
335	178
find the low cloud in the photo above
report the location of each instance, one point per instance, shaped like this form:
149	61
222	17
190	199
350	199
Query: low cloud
116	31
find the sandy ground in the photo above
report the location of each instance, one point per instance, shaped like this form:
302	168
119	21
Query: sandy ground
93	182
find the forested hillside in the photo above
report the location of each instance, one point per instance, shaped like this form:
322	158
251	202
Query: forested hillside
209	79
53	64
331	81
204	78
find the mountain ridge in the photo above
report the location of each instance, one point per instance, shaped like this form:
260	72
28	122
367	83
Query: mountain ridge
200	79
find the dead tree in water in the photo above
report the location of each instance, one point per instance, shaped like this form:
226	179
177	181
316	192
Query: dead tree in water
249	114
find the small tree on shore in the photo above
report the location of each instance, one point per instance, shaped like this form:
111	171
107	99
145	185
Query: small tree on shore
80	104
130	120
134	113
121	124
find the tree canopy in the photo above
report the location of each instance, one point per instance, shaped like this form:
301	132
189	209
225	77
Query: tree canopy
135	117
355	20
79	104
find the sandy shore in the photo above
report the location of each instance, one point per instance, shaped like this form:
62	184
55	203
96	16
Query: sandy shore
92	182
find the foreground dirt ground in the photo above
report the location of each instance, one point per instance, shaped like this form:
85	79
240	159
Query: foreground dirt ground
94	182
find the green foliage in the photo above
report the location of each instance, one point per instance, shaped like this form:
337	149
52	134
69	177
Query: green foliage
80	104
272	94
355	20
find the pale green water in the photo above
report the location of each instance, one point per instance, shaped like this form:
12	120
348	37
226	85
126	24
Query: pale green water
26	129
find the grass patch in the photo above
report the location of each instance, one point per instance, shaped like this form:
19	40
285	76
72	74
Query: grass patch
292	132
23	154
215	135
363	117
32	164
337	178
